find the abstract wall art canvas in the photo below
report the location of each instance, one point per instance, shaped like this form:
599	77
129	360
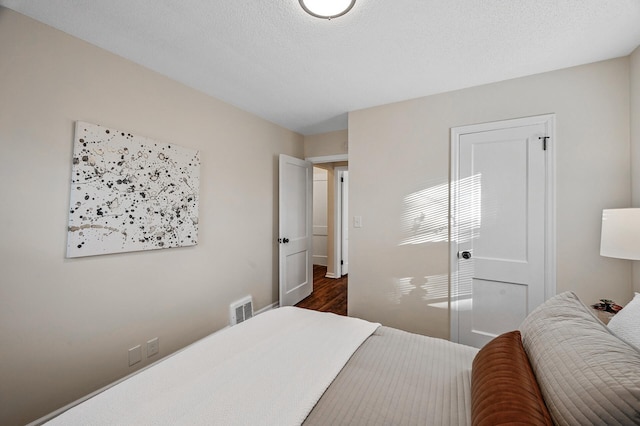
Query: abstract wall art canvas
130	193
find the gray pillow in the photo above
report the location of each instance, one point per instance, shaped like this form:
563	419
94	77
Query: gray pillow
586	374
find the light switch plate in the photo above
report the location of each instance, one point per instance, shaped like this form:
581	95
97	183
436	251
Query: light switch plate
135	355
357	221
153	347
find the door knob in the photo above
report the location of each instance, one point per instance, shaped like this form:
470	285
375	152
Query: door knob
284	240
464	254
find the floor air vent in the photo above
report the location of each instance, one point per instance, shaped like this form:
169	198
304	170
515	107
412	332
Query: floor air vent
241	310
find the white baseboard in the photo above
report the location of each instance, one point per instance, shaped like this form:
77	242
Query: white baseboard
319	260
330	275
274	305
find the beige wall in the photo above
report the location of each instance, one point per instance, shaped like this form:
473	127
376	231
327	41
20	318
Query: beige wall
324	144
401	149
635	145
66	324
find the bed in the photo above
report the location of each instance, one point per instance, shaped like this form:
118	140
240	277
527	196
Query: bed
292	366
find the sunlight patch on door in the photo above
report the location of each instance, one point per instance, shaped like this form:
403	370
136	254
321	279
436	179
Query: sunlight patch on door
464	277
466	196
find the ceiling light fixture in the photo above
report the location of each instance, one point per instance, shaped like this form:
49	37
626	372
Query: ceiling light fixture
327	9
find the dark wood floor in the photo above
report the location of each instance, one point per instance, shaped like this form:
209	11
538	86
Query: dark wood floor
329	294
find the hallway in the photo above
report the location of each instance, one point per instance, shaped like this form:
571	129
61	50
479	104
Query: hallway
329	294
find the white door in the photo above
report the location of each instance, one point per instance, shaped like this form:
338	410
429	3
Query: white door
295	229
344	184
502	226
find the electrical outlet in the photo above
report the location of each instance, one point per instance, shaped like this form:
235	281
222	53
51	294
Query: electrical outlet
153	347
135	355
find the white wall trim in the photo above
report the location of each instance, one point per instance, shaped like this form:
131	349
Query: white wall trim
328	159
274	305
320	260
337	220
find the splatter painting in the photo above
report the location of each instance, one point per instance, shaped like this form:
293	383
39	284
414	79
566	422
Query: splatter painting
130	193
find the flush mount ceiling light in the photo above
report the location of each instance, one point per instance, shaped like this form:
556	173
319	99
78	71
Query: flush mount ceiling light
327	9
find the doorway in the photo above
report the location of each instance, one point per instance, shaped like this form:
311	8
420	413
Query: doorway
330	229
342	219
502	225
329	294
296	226
337	212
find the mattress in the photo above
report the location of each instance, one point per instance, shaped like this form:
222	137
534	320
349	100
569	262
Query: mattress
290	366
400	378
270	370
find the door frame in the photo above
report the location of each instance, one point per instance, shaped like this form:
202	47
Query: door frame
336	212
339	219
550	204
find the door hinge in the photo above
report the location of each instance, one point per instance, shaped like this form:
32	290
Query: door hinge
544	142
342	262
342	179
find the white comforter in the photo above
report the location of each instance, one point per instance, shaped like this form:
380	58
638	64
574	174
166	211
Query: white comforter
270	370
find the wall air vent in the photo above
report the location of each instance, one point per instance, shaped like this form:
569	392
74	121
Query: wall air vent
240	310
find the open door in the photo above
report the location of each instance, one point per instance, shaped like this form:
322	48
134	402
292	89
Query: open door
295	229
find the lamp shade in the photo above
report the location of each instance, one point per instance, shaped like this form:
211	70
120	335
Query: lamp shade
620	233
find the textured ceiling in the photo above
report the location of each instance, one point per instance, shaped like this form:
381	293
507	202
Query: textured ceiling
272	59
